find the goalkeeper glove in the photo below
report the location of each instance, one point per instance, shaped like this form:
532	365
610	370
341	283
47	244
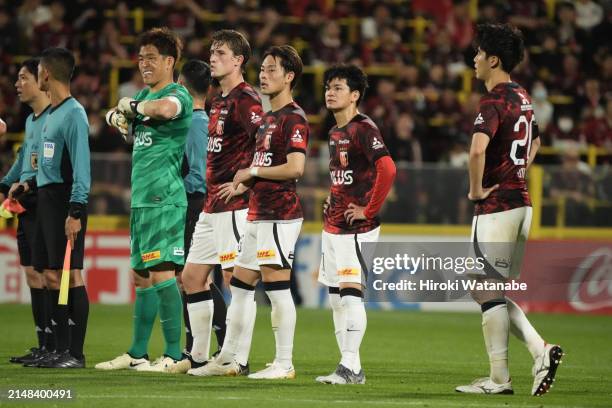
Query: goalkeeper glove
118	121
130	107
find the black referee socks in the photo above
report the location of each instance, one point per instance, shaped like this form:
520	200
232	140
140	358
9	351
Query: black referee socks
78	302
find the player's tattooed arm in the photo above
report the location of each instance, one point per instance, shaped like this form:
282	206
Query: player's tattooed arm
480	141
227	191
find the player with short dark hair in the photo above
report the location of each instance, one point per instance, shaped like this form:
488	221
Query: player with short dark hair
362	173
62	182
160	116
195	76
274	218
235	116
23	168
504	143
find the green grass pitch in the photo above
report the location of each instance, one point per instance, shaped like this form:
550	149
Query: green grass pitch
410	359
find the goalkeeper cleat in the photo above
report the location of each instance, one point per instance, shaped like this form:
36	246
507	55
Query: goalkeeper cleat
274	371
343	375
124	361
163	364
213	369
486	386
545	369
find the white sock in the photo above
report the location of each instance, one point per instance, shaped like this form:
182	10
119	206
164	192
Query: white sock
356	322
495	328
244	349
200	317
237	322
523	330
339	317
283	319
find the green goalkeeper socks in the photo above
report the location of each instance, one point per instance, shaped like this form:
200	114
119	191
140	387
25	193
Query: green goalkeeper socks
145	310
170	313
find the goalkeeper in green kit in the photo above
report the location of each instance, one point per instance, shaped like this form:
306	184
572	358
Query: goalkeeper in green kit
160	117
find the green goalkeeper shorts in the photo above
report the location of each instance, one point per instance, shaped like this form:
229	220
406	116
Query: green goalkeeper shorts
156	236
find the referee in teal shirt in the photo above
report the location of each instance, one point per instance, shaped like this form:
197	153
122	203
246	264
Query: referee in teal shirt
63	182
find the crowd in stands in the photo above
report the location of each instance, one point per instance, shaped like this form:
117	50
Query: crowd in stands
418	55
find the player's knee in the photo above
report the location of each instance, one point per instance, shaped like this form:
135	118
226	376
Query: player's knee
76	279
159	277
227	277
52	280
33	278
141	279
249	276
484	296
179	281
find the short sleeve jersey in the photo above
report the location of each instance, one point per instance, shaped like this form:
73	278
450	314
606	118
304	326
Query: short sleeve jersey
506	115
234	120
281	133
158	151
354	150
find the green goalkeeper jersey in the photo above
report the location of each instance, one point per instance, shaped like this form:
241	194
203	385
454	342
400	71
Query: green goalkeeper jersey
158	151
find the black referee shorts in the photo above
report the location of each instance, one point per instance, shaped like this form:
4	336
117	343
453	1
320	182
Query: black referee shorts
50	237
26	228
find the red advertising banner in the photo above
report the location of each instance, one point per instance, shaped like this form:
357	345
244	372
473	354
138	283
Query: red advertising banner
563	276
106	269
568	276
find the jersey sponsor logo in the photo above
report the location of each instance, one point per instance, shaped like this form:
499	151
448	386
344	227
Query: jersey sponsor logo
262	159
266	254
479	120
344	159
341	177
215	144
34	160
524	98
255	116
348	272
220	126
48	151
299	131
143	139
377	144
503	263
267	141
178	251
151	256
227	257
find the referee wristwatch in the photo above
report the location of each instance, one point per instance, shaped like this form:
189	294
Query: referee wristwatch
76	210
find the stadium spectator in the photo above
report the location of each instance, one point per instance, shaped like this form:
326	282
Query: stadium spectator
598	129
403	144
543	109
589	14
573	183
131	87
